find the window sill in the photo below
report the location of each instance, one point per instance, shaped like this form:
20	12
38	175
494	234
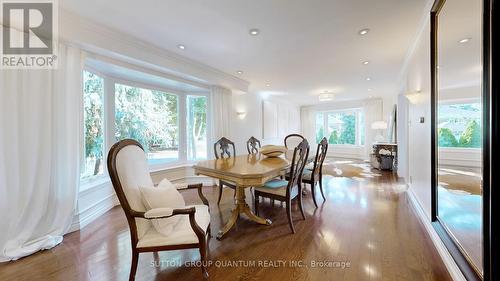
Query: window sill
89	184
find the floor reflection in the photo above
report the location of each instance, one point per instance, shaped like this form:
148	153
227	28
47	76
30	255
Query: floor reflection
460	207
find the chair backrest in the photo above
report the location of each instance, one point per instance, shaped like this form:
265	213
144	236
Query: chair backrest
222	148
320	158
293	140
128	169
300	155
253	145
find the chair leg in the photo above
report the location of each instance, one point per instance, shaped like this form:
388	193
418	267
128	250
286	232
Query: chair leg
300	206
203	256
321	188
133	267
313	194
256	204
289	215
220	193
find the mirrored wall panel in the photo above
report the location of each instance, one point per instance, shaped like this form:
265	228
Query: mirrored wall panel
459	125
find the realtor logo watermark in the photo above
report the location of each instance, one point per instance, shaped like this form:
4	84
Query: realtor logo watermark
29	34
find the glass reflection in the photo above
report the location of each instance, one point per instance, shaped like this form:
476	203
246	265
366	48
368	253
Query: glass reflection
459	124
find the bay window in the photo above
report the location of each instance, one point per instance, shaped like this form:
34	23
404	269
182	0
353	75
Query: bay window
170	124
343	127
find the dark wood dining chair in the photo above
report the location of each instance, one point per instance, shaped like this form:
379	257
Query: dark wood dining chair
293	140
128	169
315	175
224	148
287	190
253	145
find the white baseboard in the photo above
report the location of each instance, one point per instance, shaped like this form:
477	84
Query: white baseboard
453	269
93	212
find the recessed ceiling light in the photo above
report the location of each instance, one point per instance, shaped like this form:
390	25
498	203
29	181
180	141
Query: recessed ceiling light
254	31
465	40
268	85
326	96
182	47
368	78
366	62
239	72
364	31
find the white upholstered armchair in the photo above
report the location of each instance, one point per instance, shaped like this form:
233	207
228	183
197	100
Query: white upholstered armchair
188	226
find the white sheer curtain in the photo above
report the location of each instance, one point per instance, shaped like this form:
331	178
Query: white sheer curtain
40	117
220	110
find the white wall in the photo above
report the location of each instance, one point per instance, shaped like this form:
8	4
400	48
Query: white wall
416	77
251	125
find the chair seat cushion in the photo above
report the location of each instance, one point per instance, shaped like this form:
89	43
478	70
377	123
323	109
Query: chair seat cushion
165	195
276	183
276	187
182	232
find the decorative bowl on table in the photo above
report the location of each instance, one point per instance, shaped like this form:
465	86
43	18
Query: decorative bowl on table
273	150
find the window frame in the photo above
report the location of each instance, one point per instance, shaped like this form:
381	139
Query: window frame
109	122
208	126
97	179
356	112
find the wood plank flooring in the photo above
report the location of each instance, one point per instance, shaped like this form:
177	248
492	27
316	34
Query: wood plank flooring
366	230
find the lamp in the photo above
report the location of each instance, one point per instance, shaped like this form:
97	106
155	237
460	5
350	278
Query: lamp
379	126
413	97
326	96
241	114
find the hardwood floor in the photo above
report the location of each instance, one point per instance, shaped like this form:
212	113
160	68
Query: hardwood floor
366	225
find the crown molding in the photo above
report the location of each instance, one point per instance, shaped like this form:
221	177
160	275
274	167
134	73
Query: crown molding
98	39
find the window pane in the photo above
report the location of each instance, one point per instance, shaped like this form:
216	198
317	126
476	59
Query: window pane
361	127
342	128
93	114
150	117
320	131
196	127
459	125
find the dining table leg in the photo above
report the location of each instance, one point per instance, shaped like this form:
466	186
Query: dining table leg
241	207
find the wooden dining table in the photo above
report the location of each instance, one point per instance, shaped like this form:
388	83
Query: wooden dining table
244	171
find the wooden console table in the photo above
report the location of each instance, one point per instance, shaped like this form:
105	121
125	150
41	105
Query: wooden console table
376	158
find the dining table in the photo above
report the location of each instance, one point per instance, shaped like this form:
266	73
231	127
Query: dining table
244	171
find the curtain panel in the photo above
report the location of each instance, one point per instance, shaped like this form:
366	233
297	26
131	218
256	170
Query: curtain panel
220	111
40	143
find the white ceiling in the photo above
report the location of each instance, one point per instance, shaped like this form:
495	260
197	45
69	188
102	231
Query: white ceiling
304	48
